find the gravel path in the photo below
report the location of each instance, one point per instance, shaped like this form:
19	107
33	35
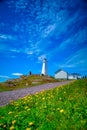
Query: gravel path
5	97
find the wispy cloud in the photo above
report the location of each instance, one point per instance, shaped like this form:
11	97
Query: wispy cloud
3	36
77	60
41	57
6	37
17	74
54	29
15	50
3	76
30	52
75	40
48	30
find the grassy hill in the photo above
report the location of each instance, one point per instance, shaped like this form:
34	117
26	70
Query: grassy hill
25	81
62	108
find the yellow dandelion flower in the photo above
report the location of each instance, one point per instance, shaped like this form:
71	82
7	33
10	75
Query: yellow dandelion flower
61	111
36	93
28	128
31	123
10	113
12	128
13	122
43	98
45	106
26	107
0	124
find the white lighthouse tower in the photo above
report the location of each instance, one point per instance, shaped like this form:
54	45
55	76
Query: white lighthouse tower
44	67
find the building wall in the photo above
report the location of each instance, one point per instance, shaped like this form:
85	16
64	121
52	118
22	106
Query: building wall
61	75
72	77
79	77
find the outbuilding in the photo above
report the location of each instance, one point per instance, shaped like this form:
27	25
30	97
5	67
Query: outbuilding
61	74
74	76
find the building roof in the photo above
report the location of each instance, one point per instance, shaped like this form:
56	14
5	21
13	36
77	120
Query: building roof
60	70
75	74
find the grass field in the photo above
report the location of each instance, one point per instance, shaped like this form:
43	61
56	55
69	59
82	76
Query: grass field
62	108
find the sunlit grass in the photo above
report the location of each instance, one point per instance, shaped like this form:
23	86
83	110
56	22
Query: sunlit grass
62	108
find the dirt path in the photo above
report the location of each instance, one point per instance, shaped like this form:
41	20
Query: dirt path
5	97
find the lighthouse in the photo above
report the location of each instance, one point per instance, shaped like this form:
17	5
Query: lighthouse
44	67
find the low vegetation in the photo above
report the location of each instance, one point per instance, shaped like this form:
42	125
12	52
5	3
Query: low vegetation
25	81
62	108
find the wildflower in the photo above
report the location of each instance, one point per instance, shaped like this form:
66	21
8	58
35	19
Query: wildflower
61	111
43	98
16	116
60	98
28	128
45	106
26	107
12	128
10	113
31	123
4	126
11	102
36	93
13	122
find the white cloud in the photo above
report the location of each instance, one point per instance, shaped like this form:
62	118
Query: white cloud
3	76
48	30
3	36
6	37
15	50
30	52
42	57
67	66
77	39
17	74
32	49
78	59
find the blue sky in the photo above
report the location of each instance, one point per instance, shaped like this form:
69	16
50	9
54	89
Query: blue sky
33	29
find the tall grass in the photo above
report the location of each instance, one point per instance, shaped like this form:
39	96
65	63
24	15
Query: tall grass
62	108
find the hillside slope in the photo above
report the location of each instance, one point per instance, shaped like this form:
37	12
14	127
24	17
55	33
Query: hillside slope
26	81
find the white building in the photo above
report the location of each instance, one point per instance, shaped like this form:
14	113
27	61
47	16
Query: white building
74	76
44	67
61	74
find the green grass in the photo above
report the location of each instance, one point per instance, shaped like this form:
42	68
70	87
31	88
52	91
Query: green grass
25	81
62	108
